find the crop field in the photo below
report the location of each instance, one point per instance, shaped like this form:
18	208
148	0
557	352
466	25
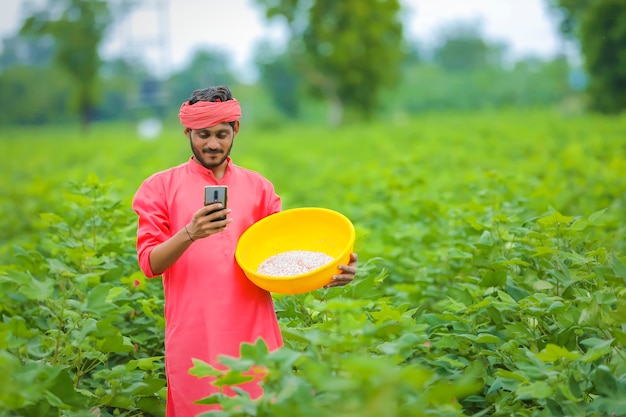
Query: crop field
491	282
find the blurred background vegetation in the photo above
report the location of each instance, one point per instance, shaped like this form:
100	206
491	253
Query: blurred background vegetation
331	70
488	193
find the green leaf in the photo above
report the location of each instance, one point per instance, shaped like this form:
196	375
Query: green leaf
537	390
542	285
544	250
556	307
456	253
92	180
18	327
493	278
145	364
618	267
552	353
486	239
387	312
114	293
115	343
503	373
62	387
97	300
555	218
578	225
614	406
459	294
294	336
565	389
210	400
236	364
454	363
595	217
286	357
232	378
574	387
506	298
50	219
605	382
487	338
53	400
598	350
605	297
202	369
29	286
555	408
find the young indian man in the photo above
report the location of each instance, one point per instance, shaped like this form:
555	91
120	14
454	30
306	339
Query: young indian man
211	308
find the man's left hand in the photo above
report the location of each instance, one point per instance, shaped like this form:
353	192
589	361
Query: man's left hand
347	275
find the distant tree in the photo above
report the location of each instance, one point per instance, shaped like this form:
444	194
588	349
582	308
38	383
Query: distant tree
77	27
34	95
600	27
462	48
413	55
603	42
207	67
17	51
346	51
119	89
279	77
570	14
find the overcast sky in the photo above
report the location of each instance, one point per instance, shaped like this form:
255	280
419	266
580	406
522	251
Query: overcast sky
236	25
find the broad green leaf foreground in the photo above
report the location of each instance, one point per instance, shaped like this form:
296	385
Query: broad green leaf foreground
492	271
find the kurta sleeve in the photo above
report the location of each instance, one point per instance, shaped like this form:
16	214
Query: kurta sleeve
274	203
153	223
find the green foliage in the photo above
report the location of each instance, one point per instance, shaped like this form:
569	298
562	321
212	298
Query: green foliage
600	29
338	60
120	90
464	73
280	79
570	13
603	42
463	48
28	97
479	267
78	331
77	27
206	68
528	84
491	274
18	51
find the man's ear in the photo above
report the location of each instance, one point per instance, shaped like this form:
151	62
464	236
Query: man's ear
187	131
236	127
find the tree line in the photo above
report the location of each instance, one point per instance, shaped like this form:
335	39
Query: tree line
346	59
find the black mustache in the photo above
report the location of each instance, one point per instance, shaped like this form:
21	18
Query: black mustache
211	151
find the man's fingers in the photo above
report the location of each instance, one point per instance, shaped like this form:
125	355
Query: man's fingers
347	268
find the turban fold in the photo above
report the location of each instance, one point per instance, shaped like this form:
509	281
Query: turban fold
208	113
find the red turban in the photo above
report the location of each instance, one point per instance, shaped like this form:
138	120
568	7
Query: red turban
204	114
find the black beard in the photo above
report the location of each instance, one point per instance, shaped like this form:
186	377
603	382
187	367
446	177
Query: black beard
199	156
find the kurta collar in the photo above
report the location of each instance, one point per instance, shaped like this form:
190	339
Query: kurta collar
197	168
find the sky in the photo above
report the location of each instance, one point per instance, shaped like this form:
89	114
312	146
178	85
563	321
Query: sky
235	26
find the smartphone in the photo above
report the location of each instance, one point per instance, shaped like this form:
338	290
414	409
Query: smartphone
216	194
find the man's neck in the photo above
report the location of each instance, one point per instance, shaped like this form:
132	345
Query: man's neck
218	171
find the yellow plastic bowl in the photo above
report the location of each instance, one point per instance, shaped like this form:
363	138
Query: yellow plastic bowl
307	228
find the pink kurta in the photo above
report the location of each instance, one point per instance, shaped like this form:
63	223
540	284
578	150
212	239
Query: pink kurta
210	306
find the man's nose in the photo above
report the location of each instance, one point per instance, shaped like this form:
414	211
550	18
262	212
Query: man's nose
212	142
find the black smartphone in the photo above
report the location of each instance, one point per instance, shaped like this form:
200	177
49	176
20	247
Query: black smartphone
216	194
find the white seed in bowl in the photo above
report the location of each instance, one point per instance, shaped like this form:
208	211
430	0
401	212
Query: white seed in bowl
295	262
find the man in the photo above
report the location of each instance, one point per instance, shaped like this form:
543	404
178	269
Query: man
210	306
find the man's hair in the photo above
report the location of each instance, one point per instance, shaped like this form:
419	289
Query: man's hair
220	92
